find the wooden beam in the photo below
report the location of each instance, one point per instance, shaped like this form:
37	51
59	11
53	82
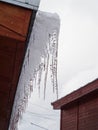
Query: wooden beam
15	18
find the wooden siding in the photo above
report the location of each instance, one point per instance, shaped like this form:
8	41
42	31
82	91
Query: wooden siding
88	114
82	115
14	18
69	119
80	112
11	58
14	27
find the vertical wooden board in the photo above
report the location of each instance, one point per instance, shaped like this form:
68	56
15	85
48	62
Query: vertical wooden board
88	114
3	125
5	85
3	111
69	119
17	68
11	57
7	44
3	101
6	64
7	57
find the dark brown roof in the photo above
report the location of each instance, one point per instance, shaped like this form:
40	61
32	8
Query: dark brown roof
76	95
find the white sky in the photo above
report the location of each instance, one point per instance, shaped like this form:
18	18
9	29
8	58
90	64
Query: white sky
77	59
77	42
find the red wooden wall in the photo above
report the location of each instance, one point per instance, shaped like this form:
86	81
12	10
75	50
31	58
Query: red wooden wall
81	116
11	56
79	110
69	119
14	27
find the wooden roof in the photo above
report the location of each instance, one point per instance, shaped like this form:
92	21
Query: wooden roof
77	95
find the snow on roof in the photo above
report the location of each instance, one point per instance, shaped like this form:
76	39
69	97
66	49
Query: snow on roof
31	4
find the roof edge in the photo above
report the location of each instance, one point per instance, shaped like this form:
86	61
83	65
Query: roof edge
76	95
32	6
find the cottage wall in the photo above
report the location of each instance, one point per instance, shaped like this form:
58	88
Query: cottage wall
69	118
11	56
14	28
82	115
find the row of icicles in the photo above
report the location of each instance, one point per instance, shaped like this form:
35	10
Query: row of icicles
48	63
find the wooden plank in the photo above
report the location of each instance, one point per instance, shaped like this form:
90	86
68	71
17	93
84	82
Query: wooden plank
88	113
15	18
3	105
17	69
7	55
5	85
6	65
4	32
11	58
8	44
69	119
3	111
3	124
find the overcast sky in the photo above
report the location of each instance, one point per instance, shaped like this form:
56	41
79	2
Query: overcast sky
78	40
77	54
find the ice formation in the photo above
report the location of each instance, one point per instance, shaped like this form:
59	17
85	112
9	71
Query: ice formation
40	58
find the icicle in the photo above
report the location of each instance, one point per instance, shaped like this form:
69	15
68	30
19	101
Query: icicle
28	55
40	56
39	76
31	85
53	66
46	73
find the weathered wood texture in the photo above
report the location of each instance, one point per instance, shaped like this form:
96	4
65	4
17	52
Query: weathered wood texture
14	26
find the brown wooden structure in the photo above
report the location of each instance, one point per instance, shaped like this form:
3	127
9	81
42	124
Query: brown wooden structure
15	25
79	110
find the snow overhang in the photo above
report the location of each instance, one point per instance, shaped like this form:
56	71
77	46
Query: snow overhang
74	97
30	4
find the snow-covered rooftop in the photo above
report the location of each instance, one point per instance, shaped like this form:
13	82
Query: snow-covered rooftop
31	4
